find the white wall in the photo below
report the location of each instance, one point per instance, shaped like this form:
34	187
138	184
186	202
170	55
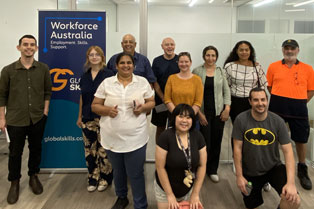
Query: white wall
19	17
191	28
110	9
191	20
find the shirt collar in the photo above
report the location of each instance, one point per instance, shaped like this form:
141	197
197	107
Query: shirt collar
18	64
136	56
284	62
134	79
89	70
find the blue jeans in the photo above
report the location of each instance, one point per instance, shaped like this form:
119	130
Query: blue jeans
130	165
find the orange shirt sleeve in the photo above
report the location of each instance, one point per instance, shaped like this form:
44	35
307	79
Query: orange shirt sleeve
199	91
269	75
310	83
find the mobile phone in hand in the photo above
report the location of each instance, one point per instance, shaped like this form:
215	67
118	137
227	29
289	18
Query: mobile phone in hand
134	104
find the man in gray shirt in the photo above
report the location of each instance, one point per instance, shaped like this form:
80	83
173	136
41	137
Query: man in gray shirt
257	134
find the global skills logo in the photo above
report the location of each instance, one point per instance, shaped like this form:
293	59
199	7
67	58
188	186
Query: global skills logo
61	77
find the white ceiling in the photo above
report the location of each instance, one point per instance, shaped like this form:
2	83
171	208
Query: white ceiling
185	2
236	3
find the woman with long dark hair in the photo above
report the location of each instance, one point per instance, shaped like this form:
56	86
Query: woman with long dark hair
243	73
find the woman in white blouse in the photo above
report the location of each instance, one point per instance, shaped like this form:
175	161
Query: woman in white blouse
123	101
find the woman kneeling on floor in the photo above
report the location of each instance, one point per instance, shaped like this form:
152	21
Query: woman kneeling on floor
180	161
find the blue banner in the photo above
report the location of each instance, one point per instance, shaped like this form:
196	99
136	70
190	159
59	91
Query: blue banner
64	37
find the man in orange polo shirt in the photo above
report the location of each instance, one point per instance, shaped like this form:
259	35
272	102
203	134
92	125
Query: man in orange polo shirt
291	83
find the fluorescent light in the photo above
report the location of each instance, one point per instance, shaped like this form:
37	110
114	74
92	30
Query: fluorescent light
303	3
263	2
294	10
192	2
210	1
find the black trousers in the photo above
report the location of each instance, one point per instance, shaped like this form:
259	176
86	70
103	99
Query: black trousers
238	105
17	141
213	136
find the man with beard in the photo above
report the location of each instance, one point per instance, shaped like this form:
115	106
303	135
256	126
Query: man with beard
291	84
25	90
163	66
257	134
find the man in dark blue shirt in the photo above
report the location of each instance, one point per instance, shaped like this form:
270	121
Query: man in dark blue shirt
163	66
142	64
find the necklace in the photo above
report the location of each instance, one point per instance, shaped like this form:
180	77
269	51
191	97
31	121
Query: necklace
189	175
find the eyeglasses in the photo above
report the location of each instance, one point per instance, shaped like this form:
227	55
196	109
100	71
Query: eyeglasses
94	55
296	78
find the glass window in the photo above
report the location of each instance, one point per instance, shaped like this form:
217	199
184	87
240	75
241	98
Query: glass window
303	26
251	26
122	18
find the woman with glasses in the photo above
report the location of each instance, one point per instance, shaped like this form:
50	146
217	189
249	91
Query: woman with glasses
184	87
123	102
180	161
98	165
215	108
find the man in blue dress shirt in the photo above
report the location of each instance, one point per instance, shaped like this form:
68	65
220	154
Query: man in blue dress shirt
142	64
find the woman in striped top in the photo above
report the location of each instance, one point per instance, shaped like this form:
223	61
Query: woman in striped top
243	74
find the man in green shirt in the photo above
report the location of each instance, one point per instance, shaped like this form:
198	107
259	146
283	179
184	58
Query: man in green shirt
25	90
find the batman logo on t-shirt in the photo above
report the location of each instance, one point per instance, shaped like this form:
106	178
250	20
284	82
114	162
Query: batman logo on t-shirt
259	136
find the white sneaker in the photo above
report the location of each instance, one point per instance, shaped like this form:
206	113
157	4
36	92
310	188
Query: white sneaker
214	178
101	188
91	188
267	187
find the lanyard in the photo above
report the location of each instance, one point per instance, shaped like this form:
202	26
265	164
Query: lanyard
187	157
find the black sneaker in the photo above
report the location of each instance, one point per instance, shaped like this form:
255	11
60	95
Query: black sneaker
304	177
121	203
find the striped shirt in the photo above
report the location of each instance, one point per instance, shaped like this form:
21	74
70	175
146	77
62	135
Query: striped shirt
242	79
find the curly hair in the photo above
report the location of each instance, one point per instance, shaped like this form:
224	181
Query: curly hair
233	56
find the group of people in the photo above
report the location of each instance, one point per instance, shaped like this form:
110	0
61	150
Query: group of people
191	107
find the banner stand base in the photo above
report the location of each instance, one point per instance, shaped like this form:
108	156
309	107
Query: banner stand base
62	170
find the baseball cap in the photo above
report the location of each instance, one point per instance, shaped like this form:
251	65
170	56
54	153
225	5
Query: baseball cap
290	42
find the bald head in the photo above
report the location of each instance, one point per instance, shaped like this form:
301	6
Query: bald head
168	45
128	44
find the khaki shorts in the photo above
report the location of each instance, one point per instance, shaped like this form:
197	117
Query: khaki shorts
161	196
